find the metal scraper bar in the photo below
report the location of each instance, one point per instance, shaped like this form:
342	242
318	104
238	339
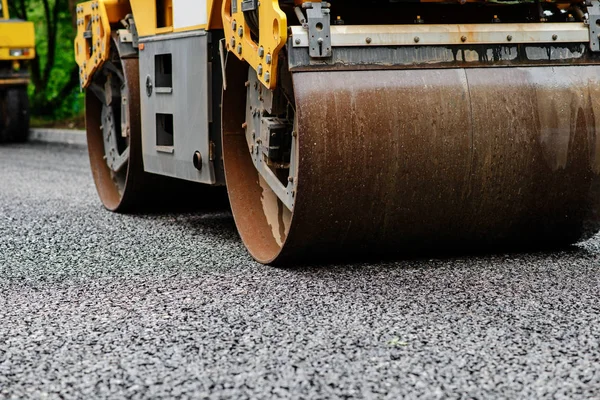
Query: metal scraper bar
449	34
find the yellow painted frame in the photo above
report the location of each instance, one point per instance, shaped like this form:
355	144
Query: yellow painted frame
5	9
144	13
91	53
264	55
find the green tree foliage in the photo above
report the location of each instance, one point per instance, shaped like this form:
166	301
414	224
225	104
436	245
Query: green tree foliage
54	90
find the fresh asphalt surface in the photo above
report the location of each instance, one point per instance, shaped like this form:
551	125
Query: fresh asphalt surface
99	305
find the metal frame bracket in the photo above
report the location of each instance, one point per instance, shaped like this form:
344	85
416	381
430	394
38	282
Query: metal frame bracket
319	29
270	136
593	10
249	5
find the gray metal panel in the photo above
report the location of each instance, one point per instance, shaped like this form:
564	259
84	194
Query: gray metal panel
188	102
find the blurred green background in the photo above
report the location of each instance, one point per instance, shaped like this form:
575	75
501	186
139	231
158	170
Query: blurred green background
54	89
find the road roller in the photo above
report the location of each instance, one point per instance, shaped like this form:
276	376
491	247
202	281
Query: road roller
17	47
377	128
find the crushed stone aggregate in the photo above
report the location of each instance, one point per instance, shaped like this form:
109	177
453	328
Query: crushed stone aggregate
169	305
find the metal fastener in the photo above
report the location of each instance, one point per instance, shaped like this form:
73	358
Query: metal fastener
509	38
554	37
261	52
297	41
267	77
417	39
260	70
232	43
368	40
268	59
241	31
239	49
463	39
233	25
197	160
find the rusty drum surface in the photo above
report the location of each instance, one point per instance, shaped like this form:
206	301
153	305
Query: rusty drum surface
393	161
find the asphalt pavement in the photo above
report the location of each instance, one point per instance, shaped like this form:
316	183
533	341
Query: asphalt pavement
170	305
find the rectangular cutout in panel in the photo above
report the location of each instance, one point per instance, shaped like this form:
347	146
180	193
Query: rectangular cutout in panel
164	13
164	130
163	71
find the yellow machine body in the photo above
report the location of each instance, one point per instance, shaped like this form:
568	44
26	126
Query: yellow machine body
94	20
17	38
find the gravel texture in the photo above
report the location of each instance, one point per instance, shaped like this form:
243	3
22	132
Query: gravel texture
99	305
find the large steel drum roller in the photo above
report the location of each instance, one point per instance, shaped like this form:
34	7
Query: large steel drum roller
392	161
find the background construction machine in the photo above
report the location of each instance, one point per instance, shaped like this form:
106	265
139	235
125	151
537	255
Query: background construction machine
352	127
17	45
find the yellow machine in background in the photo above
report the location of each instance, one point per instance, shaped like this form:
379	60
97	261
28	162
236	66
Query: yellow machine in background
17	46
351	127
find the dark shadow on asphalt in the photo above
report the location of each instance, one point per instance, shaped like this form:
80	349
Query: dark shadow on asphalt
182	197
217	220
438	257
